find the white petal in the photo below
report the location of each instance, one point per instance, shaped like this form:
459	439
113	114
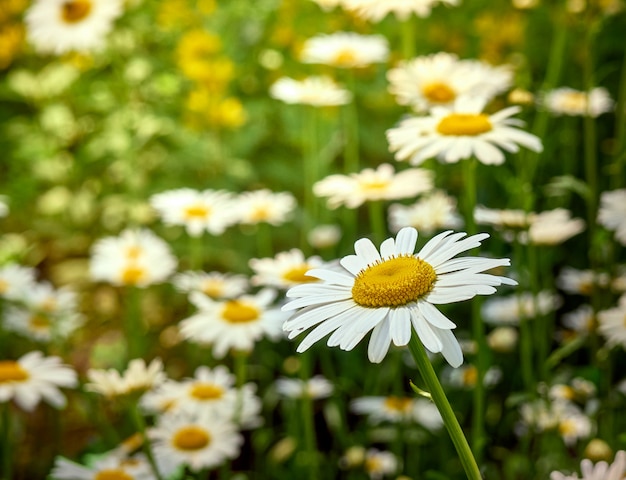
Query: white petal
353	264
319	332
388	248
366	250
451	350
379	342
331	277
400	326
434	316
315	300
405	240
425	332
310	316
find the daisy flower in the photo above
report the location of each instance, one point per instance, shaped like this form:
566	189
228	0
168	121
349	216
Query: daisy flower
197	211
375	11
510	310
315	387
197	439
371	185
612	213
324	236
503	339
599	471
136	257
213	284
434	212
391	292
33	378
285	270
503	218
439	79
110	466
460	132
466	376
345	50
318	91
581	282
567	101
138	378
554	227
60	26
265	206
233	324
15	280
582	320
398	410
611	324
379	463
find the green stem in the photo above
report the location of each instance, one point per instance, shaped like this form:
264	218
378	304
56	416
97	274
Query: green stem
441	401
310	440
408	38
7	458
140	425
377	221
311	170
240	360
469	189
351	129
264	243
526	340
196	250
134	324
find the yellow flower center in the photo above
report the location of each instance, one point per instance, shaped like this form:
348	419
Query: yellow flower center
39	322
470	376
133	252
375	185
567	427
11	371
191	438
213	288
196	212
298	274
75	10
464	124
345	58
260	213
394	282
398	404
373	465
112	474
236	311
438	92
4	286
206	391
574	101
133	274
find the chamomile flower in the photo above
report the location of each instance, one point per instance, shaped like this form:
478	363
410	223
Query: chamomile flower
15	280
138	378
460	132
235	324
398	410
554	227
441	78
134	258
582	320
598	471
193	438
345	50
213	284
285	270
34	378
581	282
318	91
436	211
197	211
514	308
612	213
112	466
567	101
315	387
392	292
264	206
506	219
611	324
60	26
371	185
375	11
379	464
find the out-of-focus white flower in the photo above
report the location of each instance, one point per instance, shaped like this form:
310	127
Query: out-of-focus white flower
599	471
394	409
441	78
436	211
264	206
112	465
318	91
466	376
611	324
375	10
235	324
197	211
213	284
315	387
15	281
379	463
554	227
506	219
510	310
460	132
503	339
136	257
581	320
34	378
371	185
567	101
345	50
612	213
137	379
324	236
60	26
285	270
582	282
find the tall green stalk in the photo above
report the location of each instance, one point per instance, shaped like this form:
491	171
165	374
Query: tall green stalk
408	37
135	333
377	220
7	437
140	425
312	172
443	405
310	438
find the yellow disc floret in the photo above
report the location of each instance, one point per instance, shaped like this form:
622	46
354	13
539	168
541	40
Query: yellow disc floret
191	438
11	371
112	474
236	311
438	92
297	274
206	391
464	124
393	282
75	10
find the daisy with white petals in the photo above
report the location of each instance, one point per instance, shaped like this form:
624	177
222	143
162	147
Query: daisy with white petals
611	324
264	206
15	280
554	227
439	79
111	466
315	387
435	212
371	185
134	258
137	379
599	471
345	50
392	292
233	324
375	10
567	101
60	26
197	211
33	378
285	270
612	213
317	91
213	284
399	410
459	133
